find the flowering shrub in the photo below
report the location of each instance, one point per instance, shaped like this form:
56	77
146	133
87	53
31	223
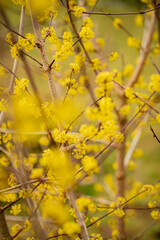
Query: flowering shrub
55	142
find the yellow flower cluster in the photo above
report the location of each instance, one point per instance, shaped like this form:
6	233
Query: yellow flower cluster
148	188
37	173
90	165
70	228
67	37
86	31
50	12
27	225
117	23
65	51
117	206
113	56
78	11
20	86
152	204
80	59
133	42
139	20
88	131
61	169
128	70
155	214
83	203
3	72
55	210
15	51
104	80
119	138
96	64
3	105
155	82
158	118
96	236
9	38
28	43
15	209
74	67
79	150
12	180
129	93
91	2
19	2
50	33
125	110
71	85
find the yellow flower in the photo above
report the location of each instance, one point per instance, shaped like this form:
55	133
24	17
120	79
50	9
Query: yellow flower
15	209
91	2
133	42
86	32
129	93
71	228
117	23
125	110
90	165
119	138
158	118
78	11
50	12
128	70
27	225
74	67
3	105
28	43
15	51
152	204
139	20
155	81
155	214
113	56
36	173
20	86
19	2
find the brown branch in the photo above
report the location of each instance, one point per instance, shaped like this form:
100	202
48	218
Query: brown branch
154	135
119	14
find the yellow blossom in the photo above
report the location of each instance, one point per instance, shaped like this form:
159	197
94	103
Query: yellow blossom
119	138
20	86
86	31
3	105
15	209
15	51
117	23
27	225
91	2
50	12
74	67
36	173
133	42
28	43
125	110
113	56
152	204
19	2
71	228
78	11
97	65
158	118
90	165
128	70
155	214
139	20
